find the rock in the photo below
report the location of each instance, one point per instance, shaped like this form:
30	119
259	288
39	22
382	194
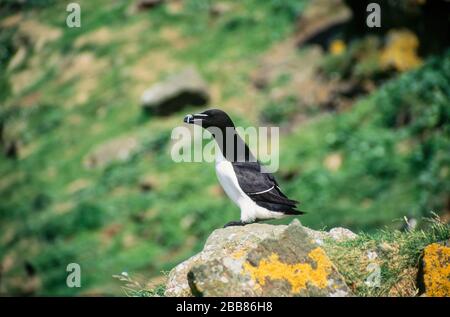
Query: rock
219	9
178	91
341	234
320	21
283	61
336	234
258	260
148	183
147	4
434	275
115	150
401	51
333	162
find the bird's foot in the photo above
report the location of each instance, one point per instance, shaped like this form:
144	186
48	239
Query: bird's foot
235	223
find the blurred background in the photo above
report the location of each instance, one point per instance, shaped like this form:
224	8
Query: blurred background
86	174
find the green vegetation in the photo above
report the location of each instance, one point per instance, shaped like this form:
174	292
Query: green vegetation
392	148
133	288
388	153
396	253
279	112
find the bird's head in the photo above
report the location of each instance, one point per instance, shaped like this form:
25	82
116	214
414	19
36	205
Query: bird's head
210	118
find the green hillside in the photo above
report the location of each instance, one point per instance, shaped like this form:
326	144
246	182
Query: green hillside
66	91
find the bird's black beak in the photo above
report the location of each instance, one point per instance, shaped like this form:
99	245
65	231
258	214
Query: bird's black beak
195	118
189	119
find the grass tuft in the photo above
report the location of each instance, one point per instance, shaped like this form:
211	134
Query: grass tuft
395	255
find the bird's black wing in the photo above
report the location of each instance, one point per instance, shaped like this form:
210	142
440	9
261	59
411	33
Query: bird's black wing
263	188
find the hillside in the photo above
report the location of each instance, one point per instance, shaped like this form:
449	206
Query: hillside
364	138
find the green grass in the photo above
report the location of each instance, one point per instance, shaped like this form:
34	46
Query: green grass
388	169
398	255
54	225
109	225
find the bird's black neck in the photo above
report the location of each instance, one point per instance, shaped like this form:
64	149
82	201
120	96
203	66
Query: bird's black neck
232	146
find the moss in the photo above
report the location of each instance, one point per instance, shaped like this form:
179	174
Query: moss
437	270
298	275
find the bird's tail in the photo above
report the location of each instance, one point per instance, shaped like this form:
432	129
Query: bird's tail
293	211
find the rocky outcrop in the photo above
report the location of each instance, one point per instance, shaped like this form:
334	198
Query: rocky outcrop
435	270
261	260
176	92
321	20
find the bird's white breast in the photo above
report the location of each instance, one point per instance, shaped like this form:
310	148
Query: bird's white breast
228	179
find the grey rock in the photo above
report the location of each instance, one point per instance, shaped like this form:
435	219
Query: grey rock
341	234
119	149
258	260
318	18
176	92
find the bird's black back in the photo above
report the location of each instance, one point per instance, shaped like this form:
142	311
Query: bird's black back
263	188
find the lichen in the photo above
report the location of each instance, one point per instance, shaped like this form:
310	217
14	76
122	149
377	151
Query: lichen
401	51
437	270
238	254
298	275
337	47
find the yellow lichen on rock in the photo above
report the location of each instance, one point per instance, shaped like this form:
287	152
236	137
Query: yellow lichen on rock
401	50
238	254
298	275
437	270
337	47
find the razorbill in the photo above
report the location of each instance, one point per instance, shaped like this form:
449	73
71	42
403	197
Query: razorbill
257	194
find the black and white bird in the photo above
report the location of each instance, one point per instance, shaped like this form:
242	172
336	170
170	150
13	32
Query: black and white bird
257	194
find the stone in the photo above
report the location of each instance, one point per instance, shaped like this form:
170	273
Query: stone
176	92
258	260
435	273
119	149
341	234
219	9
320	21
333	162
148	4
148	183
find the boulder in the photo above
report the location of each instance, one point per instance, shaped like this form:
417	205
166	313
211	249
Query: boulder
176	92
434	275
119	149
321	21
259	260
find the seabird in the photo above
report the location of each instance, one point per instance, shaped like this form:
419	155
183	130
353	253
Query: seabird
257	194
